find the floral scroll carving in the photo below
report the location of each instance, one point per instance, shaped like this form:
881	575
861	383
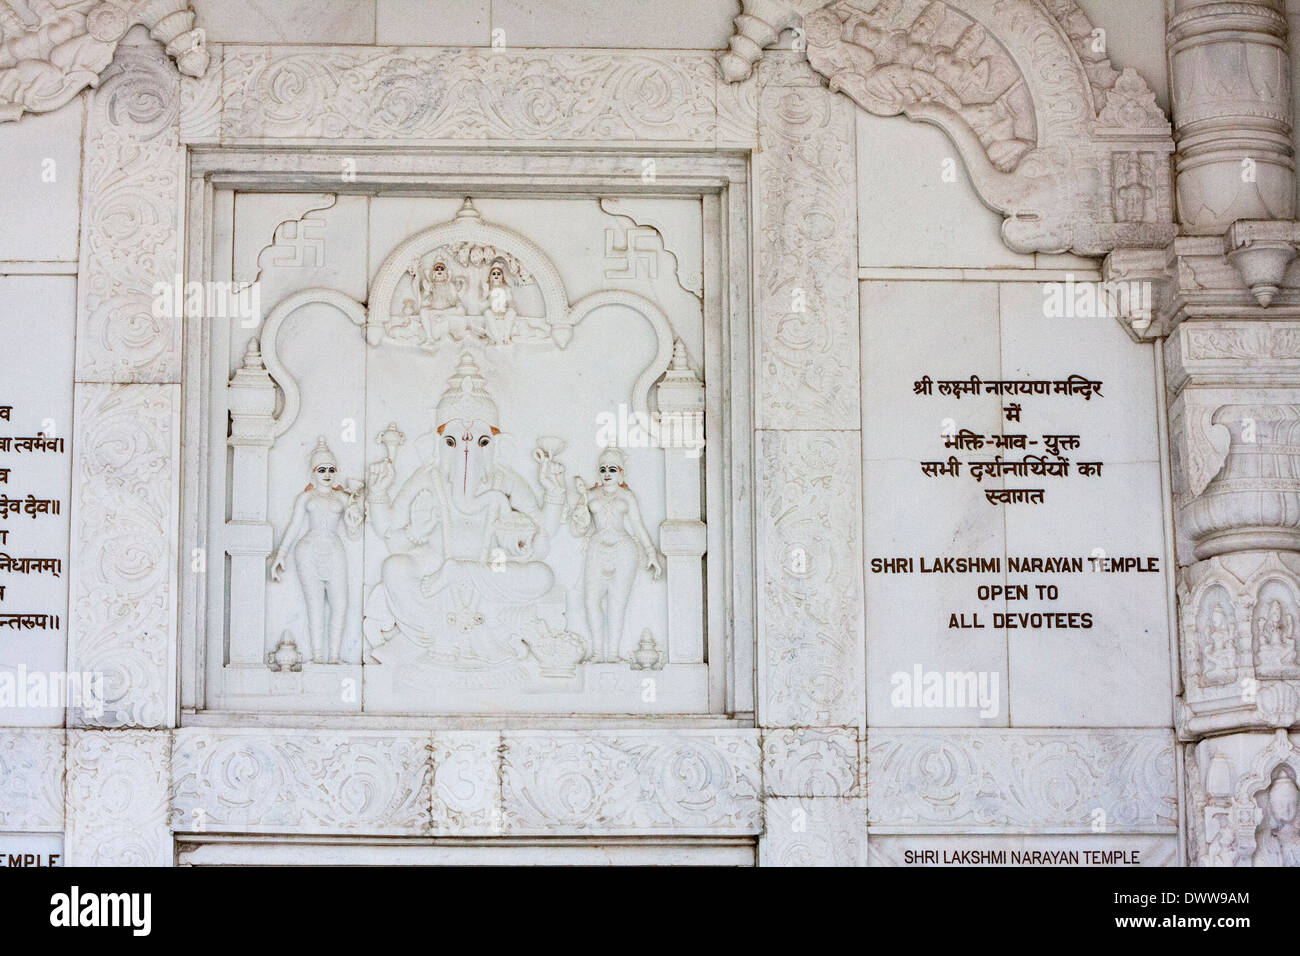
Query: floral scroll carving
1022	778
810	607
130	229
122	596
50	52
432	94
634	781
31	764
823	832
117	798
375	782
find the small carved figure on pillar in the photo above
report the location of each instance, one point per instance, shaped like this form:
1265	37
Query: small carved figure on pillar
1276	637
1222	849
1221	649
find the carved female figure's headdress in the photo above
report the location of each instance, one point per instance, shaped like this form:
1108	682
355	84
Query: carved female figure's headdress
321	454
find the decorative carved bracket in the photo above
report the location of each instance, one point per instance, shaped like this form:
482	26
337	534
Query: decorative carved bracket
1072	152
50	52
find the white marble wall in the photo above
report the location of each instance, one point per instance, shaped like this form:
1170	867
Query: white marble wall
904	273
946	298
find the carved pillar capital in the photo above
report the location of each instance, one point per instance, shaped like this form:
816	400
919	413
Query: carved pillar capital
1261	250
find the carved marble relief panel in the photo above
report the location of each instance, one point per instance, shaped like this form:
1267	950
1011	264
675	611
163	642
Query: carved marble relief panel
453	462
457	458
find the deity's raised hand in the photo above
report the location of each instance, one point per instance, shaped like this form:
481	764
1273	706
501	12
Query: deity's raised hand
379	477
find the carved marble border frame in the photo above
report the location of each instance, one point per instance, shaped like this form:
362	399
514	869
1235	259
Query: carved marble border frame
142	207
722	178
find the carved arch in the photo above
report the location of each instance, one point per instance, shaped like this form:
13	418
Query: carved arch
468	227
1074	154
664	337
270	345
51	52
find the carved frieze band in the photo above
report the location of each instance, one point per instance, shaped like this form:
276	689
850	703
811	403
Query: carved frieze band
467	783
130	223
117	785
302	782
1233	353
31	780
1054	780
426	94
122	591
810	595
632	781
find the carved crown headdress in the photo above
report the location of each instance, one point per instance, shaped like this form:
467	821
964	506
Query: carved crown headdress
466	399
321	454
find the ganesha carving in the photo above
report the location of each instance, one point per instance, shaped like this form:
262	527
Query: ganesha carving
470	571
